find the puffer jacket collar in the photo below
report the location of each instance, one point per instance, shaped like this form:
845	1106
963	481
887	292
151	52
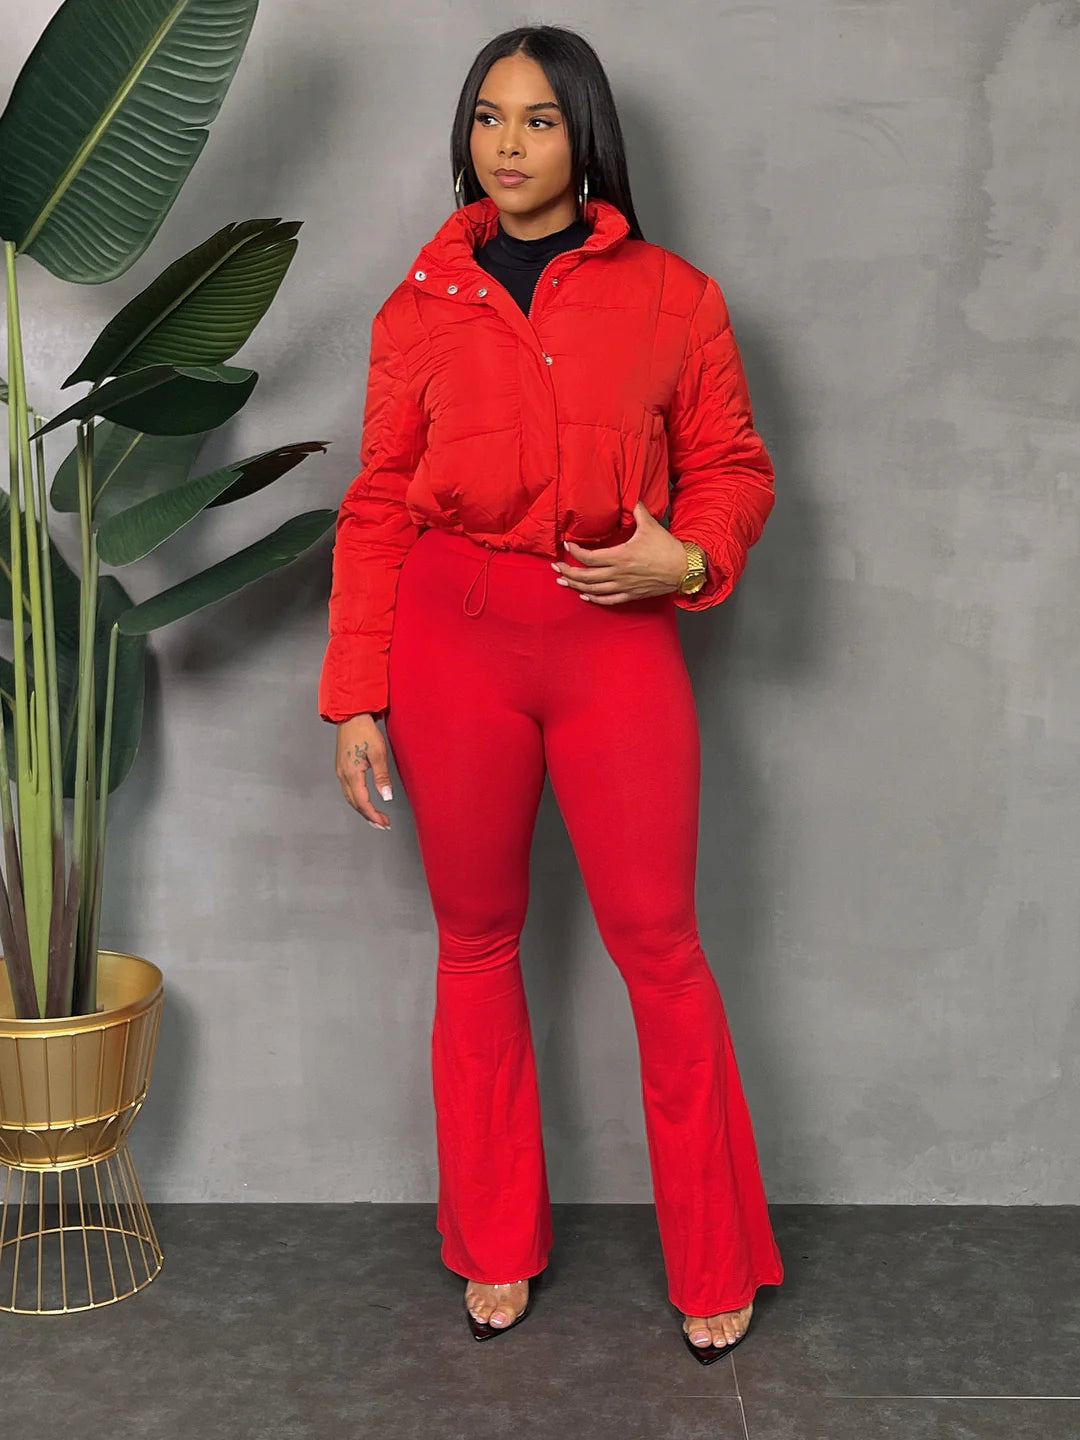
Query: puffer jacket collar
448	258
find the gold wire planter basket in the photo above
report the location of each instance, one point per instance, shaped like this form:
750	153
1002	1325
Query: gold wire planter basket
75	1230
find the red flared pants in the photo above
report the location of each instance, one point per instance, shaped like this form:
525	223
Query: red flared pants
497	675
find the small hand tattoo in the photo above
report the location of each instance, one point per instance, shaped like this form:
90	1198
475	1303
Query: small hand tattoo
360	756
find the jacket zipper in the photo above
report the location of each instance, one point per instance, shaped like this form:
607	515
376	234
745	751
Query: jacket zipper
539	279
488	279
547	361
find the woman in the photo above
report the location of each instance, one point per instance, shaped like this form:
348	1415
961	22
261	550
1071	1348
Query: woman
537	381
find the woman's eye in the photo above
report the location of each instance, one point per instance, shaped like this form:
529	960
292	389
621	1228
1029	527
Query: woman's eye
480	118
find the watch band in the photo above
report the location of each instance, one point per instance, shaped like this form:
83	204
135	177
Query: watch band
696	573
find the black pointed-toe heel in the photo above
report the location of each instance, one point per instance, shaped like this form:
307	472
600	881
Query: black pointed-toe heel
481	1330
708	1353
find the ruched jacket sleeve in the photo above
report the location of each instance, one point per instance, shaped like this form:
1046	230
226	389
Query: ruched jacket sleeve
721	472
373	534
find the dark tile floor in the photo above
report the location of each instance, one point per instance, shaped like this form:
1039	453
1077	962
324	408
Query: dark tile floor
291	1322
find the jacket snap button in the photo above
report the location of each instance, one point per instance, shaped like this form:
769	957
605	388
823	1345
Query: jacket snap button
548	359
555	281
482	290
451	289
420	275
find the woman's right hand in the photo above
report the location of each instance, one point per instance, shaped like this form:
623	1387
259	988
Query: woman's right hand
361	748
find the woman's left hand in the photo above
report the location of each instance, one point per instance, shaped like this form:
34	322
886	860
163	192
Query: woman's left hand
651	562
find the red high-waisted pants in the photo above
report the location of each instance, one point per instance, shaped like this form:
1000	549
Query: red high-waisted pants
496	674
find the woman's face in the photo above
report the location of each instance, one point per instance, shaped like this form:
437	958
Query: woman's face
517	125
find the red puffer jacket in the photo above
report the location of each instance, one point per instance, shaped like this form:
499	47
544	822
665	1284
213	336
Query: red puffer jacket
623	383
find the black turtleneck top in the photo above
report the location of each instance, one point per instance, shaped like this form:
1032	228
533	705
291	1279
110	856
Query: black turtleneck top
517	264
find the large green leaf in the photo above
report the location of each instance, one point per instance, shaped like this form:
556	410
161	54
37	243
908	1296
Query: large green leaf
268	554
135	532
129	466
261	470
104	123
165	399
201	308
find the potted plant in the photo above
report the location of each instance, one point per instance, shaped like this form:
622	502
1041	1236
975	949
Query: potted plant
101	129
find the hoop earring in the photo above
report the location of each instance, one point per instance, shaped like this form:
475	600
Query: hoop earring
457	186
583	194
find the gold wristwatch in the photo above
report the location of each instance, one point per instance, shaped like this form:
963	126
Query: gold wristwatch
695	575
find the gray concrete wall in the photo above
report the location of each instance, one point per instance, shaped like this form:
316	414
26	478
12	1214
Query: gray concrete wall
890	705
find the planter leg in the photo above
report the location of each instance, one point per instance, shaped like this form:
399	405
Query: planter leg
74	1237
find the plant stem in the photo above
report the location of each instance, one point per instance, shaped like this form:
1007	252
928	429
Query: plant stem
103	799
32	753
84	986
60	969
12	913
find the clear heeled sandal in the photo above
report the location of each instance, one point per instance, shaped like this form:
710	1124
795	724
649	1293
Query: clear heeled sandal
706	1354
482	1329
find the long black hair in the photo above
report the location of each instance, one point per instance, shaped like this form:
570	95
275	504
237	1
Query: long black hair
584	95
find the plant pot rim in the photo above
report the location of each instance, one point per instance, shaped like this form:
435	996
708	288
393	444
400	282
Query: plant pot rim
153	981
